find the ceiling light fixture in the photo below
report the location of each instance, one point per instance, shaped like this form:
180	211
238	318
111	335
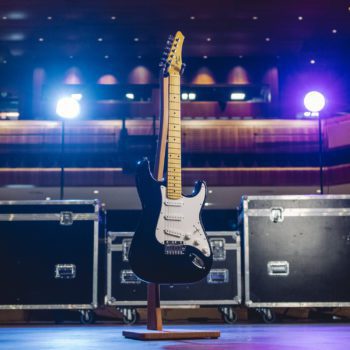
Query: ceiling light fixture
136	40
192	96
205	57
41	39
255	18
300	18
312	61
184	96
113	18
208	39
267	39
100	39
192	18
237	96
49	18
334	31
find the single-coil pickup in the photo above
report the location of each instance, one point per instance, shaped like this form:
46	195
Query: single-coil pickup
173	217
173	233
173	203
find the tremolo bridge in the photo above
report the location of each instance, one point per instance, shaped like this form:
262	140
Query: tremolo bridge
174	248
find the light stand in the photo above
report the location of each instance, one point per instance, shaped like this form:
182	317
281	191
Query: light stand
314	102
67	108
62	160
320	151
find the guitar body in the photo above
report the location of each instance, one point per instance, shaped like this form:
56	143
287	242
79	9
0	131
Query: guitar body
170	245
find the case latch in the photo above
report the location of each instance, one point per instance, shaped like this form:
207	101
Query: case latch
65	271
126	247
218	248
66	218
276	215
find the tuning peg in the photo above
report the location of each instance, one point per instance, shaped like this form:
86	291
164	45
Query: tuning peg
169	42
170	37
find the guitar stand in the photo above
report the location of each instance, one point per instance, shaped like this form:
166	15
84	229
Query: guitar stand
154	313
155	324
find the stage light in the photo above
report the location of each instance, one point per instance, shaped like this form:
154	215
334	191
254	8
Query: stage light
184	96
68	107
314	101
192	96
130	96
237	96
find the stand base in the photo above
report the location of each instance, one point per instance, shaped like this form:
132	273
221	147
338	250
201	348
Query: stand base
170	335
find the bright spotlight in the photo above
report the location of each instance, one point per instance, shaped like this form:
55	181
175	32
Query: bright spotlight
237	96
192	96
68	107
314	101
130	96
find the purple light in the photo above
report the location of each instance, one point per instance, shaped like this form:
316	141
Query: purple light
314	101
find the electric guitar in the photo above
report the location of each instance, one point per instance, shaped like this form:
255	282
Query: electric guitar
170	245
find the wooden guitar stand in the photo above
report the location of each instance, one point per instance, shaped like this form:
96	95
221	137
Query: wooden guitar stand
154	313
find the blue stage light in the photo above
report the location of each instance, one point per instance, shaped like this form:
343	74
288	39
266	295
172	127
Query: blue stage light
68	107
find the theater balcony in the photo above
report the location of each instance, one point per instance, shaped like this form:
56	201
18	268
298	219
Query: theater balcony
234	157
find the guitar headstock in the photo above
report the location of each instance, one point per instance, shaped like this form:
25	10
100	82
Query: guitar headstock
171	62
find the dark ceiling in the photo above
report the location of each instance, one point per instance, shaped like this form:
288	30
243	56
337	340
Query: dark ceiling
109	29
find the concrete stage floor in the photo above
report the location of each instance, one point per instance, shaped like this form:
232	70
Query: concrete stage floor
239	337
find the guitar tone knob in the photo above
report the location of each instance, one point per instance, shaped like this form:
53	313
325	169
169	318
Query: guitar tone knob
187	237
196	243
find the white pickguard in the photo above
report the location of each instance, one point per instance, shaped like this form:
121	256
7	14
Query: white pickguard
179	221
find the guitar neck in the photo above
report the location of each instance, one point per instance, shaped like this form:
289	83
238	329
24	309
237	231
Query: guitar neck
174	182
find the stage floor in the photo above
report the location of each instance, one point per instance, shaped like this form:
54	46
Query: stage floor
240	337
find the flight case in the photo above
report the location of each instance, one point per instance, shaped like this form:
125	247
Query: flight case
296	250
49	254
221	288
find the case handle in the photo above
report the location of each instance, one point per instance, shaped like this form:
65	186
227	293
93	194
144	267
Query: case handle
278	268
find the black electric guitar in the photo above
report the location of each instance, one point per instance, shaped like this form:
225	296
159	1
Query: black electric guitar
170	245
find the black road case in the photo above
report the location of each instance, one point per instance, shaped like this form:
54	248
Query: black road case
49	254
296	250
221	288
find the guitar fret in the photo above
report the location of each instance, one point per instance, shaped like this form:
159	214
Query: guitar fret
174	183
